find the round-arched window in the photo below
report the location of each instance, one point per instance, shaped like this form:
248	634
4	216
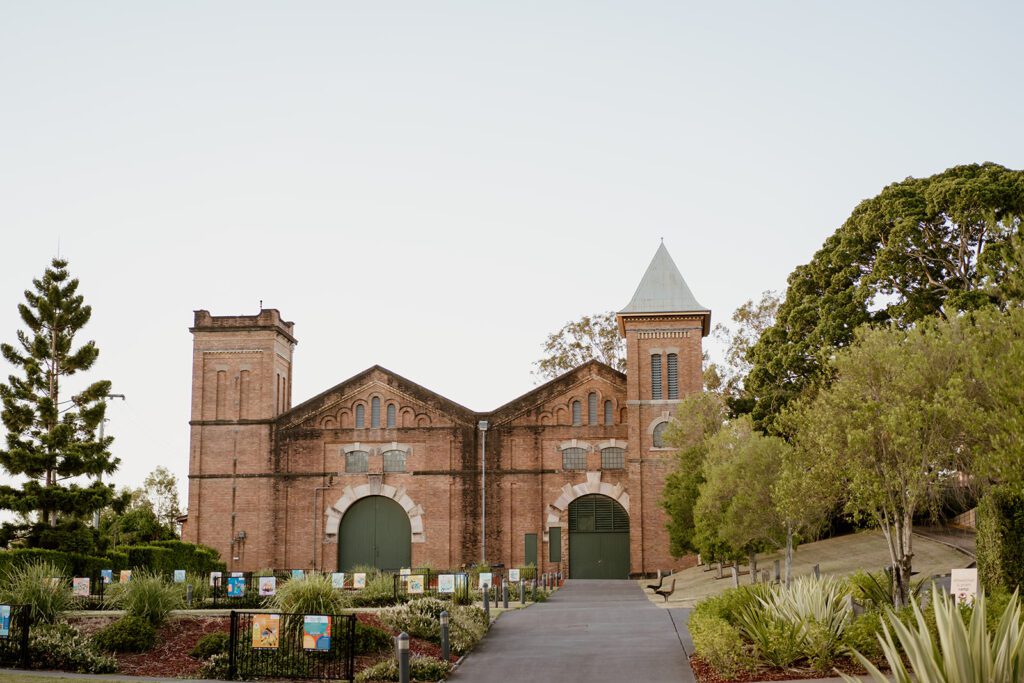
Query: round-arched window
659	435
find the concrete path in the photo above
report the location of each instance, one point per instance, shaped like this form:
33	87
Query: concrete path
587	631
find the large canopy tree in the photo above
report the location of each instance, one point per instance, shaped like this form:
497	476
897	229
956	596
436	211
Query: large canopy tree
592	337
51	436
923	247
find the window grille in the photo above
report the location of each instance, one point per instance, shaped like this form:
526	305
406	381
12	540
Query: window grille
357	461
609	416
391	416
613	458
360	416
597	513
591	408
394	461
375	413
577	416
574	459
673	376
659	434
656	377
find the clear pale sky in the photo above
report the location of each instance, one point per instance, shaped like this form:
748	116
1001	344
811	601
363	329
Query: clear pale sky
435	186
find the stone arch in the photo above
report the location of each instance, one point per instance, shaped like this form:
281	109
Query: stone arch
351	494
558	510
328	422
422	420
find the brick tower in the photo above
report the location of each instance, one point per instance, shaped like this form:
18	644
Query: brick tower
664	326
241	381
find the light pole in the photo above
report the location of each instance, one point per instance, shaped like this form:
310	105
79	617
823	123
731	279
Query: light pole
482	426
99	477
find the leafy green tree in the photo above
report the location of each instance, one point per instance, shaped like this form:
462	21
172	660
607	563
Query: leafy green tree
592	337
922	248
161	490
51	437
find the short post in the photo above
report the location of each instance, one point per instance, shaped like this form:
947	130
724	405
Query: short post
402	643
188	595
735	577
533	591
817	572
445	649
487	603
778	571
504	594
764	576
522	591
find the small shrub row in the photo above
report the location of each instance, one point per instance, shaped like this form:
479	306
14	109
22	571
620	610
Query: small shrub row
420	669
127	634
421	618
62	647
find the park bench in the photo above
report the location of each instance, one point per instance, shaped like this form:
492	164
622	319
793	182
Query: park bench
661	581
664	593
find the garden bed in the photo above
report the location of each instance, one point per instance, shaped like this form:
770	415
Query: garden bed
705	673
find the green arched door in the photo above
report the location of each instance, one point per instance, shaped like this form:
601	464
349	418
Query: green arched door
375	531
598	538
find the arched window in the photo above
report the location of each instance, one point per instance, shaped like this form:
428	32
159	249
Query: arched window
609	414
394	461
360	416
613	458
574	459
673	376
659	434
591	408
656	377
375	413
577	414
391	416
357	461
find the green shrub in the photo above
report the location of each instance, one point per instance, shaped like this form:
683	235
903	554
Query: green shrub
719	644
466	626
127	634
728	604
312	594
370	640
1000	539
216	667
191	557
62	647
211	644
379	591
200	587
152	558
33	584
420	669
862	635
421	618
149	596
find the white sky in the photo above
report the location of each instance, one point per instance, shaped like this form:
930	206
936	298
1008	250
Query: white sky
436	186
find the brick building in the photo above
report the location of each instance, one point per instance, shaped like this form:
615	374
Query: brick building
380	470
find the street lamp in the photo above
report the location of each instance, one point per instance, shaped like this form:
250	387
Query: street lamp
482	426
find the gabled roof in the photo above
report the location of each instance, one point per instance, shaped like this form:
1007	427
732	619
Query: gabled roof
663	289
559	385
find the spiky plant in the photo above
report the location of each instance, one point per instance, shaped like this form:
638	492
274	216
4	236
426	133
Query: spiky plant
40	585
149	596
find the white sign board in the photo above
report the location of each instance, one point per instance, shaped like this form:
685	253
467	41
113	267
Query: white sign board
513	575
964	585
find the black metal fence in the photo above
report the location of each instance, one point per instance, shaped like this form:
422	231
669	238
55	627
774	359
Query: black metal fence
292	646
432	583
14	645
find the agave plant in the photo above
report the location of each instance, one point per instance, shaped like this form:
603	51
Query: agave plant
964	653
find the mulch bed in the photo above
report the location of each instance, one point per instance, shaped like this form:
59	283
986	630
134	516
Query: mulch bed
705	674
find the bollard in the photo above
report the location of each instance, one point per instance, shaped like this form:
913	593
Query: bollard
188	595
402	642
487	603
522	591
446	653
504	594
817	572
764	576
735	577
778	571
533	591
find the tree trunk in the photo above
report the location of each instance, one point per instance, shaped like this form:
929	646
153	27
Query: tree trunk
789	554
753	567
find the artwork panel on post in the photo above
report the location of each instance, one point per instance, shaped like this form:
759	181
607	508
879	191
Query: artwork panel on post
268	586
107	575
215	578
236	587
485	579
513	576
266	631
338	579
5	621
316	633
414	584
446	583
298	573
359	580
80	587
126	575
179	576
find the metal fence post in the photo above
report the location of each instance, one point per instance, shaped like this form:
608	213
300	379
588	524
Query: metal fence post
403	657
487	603
26	624
504	594
445	648
232	642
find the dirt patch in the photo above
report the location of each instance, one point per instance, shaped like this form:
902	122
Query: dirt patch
704	673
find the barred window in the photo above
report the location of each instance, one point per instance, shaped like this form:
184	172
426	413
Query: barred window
577	414
391	416
574	459
394	461
360	416
375	413
357	461
659	434
591	408
613	458
609	415
656	377
673	376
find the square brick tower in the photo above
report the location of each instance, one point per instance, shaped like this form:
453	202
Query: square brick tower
241	381
664	326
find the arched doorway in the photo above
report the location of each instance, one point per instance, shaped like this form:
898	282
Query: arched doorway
598	538
375	531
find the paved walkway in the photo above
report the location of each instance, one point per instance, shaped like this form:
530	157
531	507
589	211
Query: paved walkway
587	631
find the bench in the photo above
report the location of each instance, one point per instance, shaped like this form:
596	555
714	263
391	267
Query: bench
661	581
665	593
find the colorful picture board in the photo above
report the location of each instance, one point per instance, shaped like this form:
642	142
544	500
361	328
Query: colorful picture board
486	578
446	583
298	573
179	576
266	630
5	621
513	575
338	579
414	584
107	575
126	575
268	585
236	586
80	586
359	580
316	633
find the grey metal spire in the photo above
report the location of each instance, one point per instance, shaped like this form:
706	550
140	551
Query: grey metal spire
663	289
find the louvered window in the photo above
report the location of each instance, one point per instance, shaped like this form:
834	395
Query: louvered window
357	461
613	458
597	513
673	376
391	416
375	413
577	414
394	461
656	377
574	459
609	416
591	408
360	416
659	434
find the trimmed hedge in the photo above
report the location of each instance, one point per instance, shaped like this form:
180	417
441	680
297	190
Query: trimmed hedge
162	557
1000	538
193	558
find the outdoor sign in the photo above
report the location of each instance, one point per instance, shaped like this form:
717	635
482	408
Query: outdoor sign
414	583
215	578
266	630
338	579
236	587
446	583
485	578
107	575
268	586
179	576
298	573
359	580
316	633
80	587
237	573
513	575
964	585
5	621
126	575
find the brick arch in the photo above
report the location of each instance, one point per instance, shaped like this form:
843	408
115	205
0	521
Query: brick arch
350	494
558	510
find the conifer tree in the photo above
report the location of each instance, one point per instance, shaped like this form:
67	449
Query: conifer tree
51	436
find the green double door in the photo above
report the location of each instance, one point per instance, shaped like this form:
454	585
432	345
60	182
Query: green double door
598	538
375	531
